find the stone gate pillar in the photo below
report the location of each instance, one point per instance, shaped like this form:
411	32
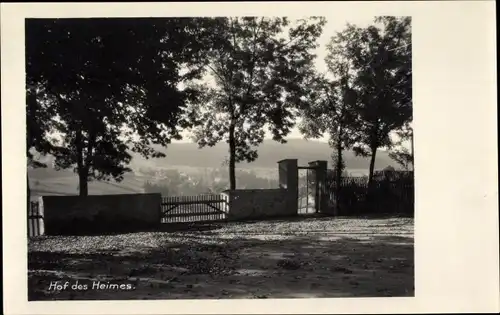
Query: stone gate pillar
289	180
320	193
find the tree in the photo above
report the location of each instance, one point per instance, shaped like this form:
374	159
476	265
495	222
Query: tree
258	77
110	86
401	154
381	58
331	107
37	126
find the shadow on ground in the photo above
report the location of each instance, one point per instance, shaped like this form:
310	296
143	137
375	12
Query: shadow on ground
224	263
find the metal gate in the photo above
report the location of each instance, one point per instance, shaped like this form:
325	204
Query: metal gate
185	209
307	189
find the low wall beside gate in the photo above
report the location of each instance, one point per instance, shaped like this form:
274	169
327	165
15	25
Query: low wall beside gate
247	204
101	213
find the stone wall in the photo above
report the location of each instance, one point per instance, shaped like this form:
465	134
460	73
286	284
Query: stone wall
249	204
101	213
133	212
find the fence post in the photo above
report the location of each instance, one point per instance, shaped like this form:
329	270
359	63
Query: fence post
321	200
289	180
226	195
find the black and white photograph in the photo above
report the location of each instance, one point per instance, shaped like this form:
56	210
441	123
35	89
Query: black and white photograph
221	157
228	157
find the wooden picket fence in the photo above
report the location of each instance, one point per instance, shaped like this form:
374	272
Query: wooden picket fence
35	220
201	208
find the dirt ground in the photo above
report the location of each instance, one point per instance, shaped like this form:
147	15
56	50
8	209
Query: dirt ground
299	258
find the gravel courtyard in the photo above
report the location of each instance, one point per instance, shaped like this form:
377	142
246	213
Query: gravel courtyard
296	258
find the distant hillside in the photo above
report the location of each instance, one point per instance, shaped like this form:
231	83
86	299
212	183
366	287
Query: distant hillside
47	181
270	152
189	159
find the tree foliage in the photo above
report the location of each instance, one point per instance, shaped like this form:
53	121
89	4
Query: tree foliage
331	106
399	153
37	127
258	74
381	59
104	86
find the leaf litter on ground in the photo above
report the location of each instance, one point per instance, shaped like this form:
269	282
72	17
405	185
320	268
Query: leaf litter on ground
227	248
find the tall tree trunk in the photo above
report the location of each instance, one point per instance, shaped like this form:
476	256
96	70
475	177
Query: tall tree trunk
232	157
338	176
369	196
84	177
412	156
81	168
372	166
28	190
83	182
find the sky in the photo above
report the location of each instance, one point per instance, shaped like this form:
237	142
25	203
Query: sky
332	26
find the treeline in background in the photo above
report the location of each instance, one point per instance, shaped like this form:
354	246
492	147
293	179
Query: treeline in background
175	183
